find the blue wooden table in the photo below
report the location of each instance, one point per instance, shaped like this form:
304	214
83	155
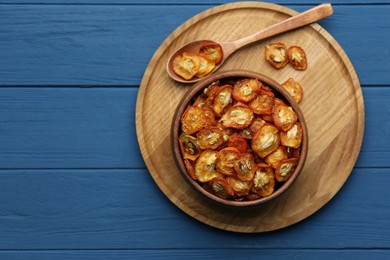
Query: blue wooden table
73	182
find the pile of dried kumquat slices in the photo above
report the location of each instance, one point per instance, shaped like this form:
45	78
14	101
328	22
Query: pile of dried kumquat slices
189	65
240	139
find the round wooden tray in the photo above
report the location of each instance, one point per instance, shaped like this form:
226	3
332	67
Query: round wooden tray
332	104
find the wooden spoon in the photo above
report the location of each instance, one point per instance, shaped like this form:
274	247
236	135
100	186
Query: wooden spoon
310	16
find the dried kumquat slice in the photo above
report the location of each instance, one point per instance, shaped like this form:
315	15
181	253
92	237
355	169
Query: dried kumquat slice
238	117
266	140
226	132
276	156
197	118
277	101
245	167
186	65
220	187
240	187
256	125
237	141
206	65
210	138
284	117
294	89
208	96
205	169
222	99
263	181
189	147
293	136
285	168
225	160
246	133
297	57
263	103
190	169
276	54
213	51
246	90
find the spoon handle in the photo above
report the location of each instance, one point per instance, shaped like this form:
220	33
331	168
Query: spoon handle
310	16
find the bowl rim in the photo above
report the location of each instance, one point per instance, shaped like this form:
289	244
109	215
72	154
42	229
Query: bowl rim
200	85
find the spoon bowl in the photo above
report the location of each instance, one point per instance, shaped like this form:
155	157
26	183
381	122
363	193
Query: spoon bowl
193	47
310	16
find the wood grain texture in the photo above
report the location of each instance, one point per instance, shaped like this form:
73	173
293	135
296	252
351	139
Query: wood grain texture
334	115
56	128
110	45
111	209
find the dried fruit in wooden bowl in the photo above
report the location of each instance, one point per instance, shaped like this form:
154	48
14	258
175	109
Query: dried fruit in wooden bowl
239	138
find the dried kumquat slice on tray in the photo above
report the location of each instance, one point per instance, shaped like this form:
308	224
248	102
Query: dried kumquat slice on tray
297	57
294	89
276	54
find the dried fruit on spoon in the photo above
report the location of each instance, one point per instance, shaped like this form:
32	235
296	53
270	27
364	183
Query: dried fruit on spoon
190	65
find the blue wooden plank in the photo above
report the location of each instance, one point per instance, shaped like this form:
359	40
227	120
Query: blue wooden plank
124	209
68	128
112	44
376	139
95	128
249	254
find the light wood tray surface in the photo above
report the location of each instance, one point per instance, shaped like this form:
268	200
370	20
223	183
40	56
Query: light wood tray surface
332	104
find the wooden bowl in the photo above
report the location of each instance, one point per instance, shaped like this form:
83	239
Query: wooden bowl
176	131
